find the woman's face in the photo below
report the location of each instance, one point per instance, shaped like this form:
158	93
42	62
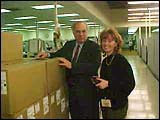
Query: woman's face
108	44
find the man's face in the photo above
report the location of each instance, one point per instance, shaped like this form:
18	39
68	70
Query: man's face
80	32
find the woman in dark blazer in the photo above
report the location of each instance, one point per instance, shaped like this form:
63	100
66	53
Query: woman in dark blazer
116	77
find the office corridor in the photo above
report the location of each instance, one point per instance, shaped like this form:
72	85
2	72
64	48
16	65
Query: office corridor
144	99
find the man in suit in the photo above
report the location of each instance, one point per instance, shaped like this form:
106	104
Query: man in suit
82	58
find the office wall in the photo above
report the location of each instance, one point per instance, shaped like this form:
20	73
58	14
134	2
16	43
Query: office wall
153	54
148	50
66	34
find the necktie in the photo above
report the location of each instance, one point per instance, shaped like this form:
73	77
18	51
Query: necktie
76	54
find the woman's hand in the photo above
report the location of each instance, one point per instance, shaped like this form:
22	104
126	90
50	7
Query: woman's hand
103	83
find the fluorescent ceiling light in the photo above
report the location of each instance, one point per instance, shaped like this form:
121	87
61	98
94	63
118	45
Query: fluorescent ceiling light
143	17
142	2
15	31
155	30
24	18
20	29
136	20
132	29
137	9
13	24
152	13
93	25
29	26
42	28
50	29
59	24
31	30
62	24
90	23
140	20
67	15
6	28
41	7
155	8
74	20
130	33
5	10
44	21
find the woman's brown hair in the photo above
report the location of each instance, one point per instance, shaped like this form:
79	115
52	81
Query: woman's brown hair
116	37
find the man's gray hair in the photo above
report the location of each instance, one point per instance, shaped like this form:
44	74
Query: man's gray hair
74	24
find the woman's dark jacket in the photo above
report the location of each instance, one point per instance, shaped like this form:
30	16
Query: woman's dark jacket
121	80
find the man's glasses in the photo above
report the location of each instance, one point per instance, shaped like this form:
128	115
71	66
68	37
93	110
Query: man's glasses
79	31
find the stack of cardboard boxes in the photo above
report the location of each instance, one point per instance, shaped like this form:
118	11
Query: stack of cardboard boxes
57	90
30	88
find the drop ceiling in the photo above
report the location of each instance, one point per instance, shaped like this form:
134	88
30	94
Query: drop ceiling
23	8
104	13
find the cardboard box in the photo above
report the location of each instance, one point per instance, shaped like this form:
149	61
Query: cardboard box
32	111
11	62
12	46
21	85
55	75
39	109
4	63
64	113
45	108
19	115
59	108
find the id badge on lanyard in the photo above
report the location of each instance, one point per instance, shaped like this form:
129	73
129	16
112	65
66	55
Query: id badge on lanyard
106	102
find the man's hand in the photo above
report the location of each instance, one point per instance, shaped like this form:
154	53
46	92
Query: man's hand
103	83
42	55
64	62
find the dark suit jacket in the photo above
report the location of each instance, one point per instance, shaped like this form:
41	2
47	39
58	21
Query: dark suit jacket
87	65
